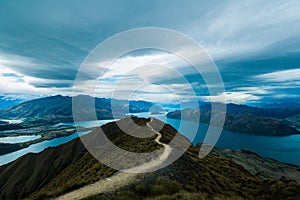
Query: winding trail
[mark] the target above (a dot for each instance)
(119, 179)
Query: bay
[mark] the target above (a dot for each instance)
(38, 147)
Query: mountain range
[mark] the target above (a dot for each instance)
(59, 108)
(280, 119)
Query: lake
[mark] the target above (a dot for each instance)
(38, 147)
(285, 148)
(88, 124)
(282, 148)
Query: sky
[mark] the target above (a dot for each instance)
(255, 46)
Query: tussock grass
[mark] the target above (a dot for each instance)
(213, 177)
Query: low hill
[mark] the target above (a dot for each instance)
(56, 171)
(280, 111)
(259, 166)
(242, 123)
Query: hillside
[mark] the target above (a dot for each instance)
(59, 108)
(242, 123)
(259, 166)
(293, 121)
(59, 170)
(279, 111)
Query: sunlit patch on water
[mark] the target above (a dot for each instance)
(19, 139)
(13, 121)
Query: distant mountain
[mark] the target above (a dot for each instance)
(59, 108)
(279, 112)
(278, 103)
(68, 167)
(56, 107)
(290, 105)
(240, 122)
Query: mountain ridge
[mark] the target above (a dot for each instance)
(58, 170)
(280, 111)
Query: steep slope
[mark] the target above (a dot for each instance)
(211, 178)
(72, 161)
(31, 172)
(59, 170)
(121, 179)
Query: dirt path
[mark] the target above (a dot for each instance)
(120, 179)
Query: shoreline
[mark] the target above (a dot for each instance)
(6, 148)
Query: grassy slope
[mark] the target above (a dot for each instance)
(262, 167)
(213, 177)
(88, 170)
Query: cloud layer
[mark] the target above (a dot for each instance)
(255, 45)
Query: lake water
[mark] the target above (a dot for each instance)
(282, 148)
(285, 149)
(88, 124)
(38, 147)
(19, 139)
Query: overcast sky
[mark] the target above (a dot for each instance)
(255, 45)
